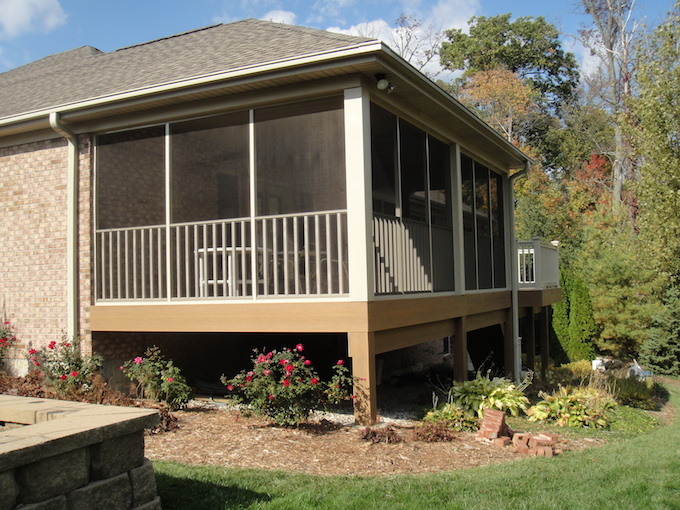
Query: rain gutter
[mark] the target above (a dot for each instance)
(72, 305)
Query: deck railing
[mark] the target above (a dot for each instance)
(294, 255)
(538, 264)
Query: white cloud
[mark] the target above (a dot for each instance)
(376, 29)
(21, 16)
(279, 16)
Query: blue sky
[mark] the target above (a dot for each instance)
(32, 29)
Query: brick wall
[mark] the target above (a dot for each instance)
(33, 265)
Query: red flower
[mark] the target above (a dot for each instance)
(74, 373)
(340, 362)
(63, 377)
(289, 368)
(170, 379)
(271, 397)
(314, 381)
(67, 345)
(307, 362)
(6, 322)
(230, 387)
(31, 351)
(52, 345)
(286, 383)
(299, 348)
(283, 362)
(249, 378)
(36, 362)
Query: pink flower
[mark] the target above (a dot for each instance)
(63, 377)
(266, 371)
(230, 387)
(138, 360)
(289, 368)
(74, 374)
(307, 362)
(286, 383)
(299, 348)
(271, 397)
(283, 362)
(340, 362)
(314, 381)
(122, 367)
(261, 359)
(170, 379)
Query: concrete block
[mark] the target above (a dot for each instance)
(9, 490)
(143, 482)
(111, 494)
(117, 455)
(58, 503)
(53, 476)
(151, 505)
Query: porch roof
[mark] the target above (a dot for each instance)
(85, 84)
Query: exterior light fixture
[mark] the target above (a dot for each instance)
(383, 83)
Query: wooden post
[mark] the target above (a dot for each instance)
(362, 351)
(530, 339)
(509, 346)
(460, 352)
(543, 340)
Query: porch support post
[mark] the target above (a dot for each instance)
(460, 352)
(509, 354)
(530, 339)
(543, 334)
(362, 352)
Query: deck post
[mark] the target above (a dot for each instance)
(543, 332)
(362, 352)
(460, 352)
(509, 346)
(530, 338)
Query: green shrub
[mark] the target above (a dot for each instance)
(493, 393)
(157, 379)
(632, 392)
(284, 387)
(573, 373)
(569, 407)
(452, 417)
(65, 367)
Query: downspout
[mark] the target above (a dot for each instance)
(71, 225)
(517, 342)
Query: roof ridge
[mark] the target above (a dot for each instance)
(195, 30)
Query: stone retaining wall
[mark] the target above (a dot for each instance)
(74, 456)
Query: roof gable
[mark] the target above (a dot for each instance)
(87, 73)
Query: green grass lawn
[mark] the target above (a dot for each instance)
(636, 472)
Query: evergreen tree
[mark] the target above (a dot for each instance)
(661, 352)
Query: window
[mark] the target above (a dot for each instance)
(484, 233)
(131, 178)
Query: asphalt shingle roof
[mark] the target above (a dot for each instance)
(86, 73)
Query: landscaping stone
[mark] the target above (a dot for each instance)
(58, 503)
(9, 490)
(112, 494)
(152, 505)
(117, 455)
(53, 476)
(143, 482)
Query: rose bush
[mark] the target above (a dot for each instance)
(7, 338)
(284, 386)
(157, 379)
(64, 366)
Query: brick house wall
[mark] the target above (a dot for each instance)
(33, 265)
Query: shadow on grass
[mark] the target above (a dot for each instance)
(182, 493)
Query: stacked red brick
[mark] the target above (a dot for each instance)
(495, 429)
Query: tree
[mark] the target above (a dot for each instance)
(527, 46)
(655, 131)
(661, 352)
(612, 38)
(500, 98)
(415, 42)
(573, 320)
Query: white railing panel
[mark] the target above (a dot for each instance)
(538, 264)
